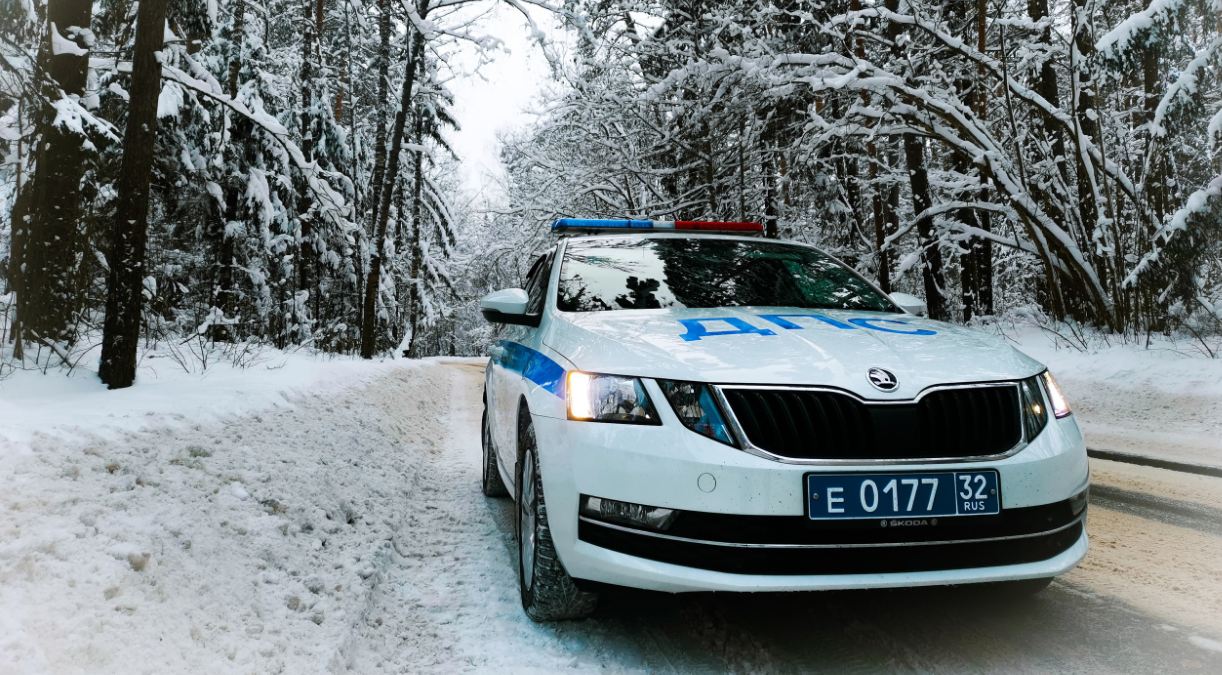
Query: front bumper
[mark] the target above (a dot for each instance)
(782, 545)
(598, 564)
(670, 466)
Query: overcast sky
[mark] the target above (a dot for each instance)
(499, 98)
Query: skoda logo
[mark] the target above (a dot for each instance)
(882, 379)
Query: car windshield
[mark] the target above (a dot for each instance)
(601, 274)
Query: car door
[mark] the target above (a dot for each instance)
(510, 356)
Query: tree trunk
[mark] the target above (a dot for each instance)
(982, 264)
(314, 264)
(882, 269)
(918, 180)
(379, 157)
(224, 294)
(891, 210)
(976, 260)
(931, 255)
(379, 134)
(1151, 79)
(770, 195)
(741, 147)
(710, 168)
(886, 219)
(969, 281)
(368, 317)
(125, 290)
(396, 264)
(1046, 85)
(851, 176)
(878, 212)
(306, 256)
(416, 288)
(47, 307)
(1087, 115)
(20, 225)
(21, 209)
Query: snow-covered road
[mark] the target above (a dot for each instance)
(344, 530)
(1158, 401)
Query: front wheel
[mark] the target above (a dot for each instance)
(548, 592)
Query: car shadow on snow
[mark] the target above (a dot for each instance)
(972, 627)
(949, 629)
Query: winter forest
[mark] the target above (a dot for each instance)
(207, 177)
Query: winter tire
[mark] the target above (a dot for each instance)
(490, 482)
(548, 592)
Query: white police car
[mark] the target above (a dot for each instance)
(680, 408)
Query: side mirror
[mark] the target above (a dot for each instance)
(507, 306)
(910, 303)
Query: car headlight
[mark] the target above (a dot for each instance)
(1035, 413)
(1060, 405)
(694, 405)
(608, 398)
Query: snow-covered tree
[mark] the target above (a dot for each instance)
(1051, 148)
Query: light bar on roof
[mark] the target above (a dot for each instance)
(604, 224)
(719, 225)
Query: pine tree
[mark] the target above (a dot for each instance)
(412, 64)
(126, 260)
(46, 310)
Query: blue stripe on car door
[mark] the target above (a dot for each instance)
(534, 366)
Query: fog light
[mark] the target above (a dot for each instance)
(1077, 503)
(625, 513)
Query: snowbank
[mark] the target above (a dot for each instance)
(165, 393)
(1163, 401)
(185, 538)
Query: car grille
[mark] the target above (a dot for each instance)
(814, 424)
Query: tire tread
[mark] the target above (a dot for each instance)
(490, 480)
(554, 596)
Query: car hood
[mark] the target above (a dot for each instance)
(784, 346)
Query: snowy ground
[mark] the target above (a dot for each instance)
(208, 543)
(337, 526)
(197, 387)
(1163, 401)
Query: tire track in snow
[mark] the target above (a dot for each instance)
(1158, 508)
(448, 598)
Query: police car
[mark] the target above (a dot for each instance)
(682, 406)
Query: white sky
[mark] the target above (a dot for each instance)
(498, 98)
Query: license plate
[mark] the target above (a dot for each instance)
(863, 496)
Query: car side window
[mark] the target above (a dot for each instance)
(536, 284)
